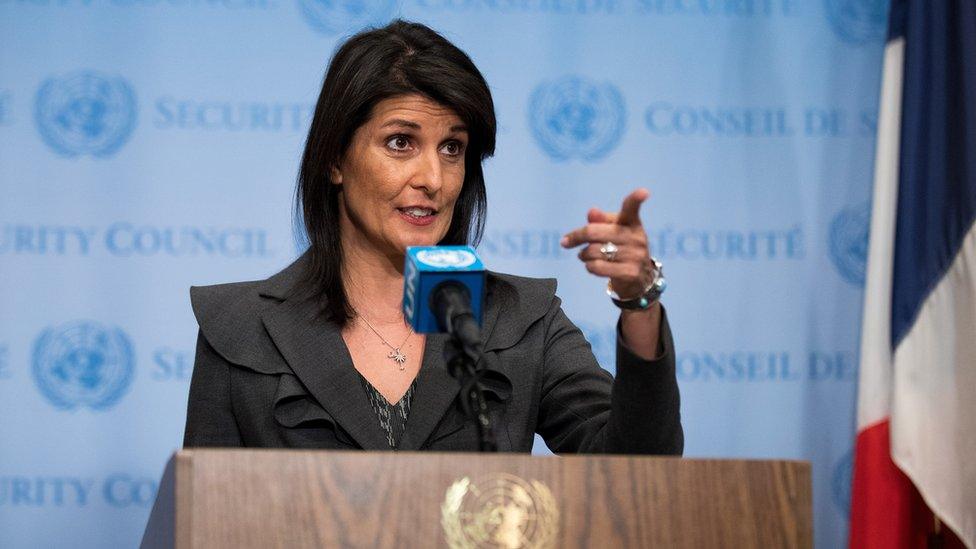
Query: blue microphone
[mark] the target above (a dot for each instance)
(443, 290)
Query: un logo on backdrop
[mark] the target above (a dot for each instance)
(335, 16)
(849, 242)
(858, 21)
(577, 118)
(85, 113)
(83, 364)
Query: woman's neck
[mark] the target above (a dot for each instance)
(373, 283)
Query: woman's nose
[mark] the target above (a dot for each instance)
(430, 172)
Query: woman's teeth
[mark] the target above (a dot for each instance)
(417, 212)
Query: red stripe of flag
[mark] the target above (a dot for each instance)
(887, 512)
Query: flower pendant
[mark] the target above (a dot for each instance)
(397, 357)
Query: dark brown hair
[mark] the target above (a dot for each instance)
(400, 58)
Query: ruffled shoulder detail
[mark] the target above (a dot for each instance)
(516, 303)
(229, 316)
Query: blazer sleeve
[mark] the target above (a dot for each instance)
(584, 410)
(209, 417)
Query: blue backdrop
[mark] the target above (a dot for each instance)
(149, 145)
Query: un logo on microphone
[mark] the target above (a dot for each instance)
(334, 17)
(447, 258)
(577, 118)
(85, 113)
(83, 364)
(849, 242)
(858, 21)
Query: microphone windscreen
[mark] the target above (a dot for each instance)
(428, 266)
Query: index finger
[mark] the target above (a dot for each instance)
(630, 210)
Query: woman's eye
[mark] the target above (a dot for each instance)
(453, 148)
(398, 143)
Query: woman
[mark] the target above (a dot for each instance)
(306, 357)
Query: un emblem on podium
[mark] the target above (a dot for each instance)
(337, 16)
(858, 21)
(499, 511)
(577, 118)
(849, 242)
(83, 364)
(85, 113)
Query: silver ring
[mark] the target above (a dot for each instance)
(609, 251)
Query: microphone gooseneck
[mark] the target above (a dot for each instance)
(451, 303)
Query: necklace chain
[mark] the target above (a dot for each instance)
(396, 355)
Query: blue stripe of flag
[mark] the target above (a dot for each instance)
(937, 163)
(897, 12)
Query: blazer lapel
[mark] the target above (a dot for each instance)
(317, 354)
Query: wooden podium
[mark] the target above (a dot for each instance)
(292, 498)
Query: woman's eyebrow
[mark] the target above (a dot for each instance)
(415, 126)
(401, 122)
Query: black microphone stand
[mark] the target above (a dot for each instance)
(462, 363)
(464, 356)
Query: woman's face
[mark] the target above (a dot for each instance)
(401, 175)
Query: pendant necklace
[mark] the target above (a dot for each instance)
(396, 355)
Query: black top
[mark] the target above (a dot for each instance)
(392, 417)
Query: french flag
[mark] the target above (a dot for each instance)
(915, 457)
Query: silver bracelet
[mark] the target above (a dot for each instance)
(650, 295)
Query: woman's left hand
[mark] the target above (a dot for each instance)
(630, 270)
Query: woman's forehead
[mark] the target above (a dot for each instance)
(414, 110)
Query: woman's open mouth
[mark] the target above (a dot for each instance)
(418, 216)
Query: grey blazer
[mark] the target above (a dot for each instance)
(270, 373)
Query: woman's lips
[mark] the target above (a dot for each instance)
(413, 220)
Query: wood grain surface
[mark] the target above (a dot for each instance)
(285, 498)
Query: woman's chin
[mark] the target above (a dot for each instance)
(427, 239)
(418, 242)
